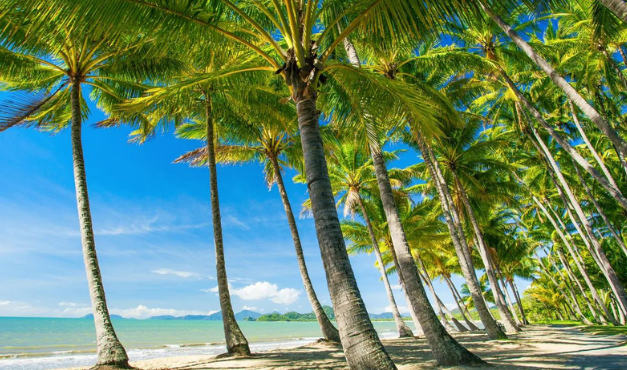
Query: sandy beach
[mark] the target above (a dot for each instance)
(537, 347)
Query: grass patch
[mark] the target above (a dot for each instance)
(605, 330)
(558, 322)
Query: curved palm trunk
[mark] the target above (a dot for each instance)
(403, 330)
(587, 109)
(412, 312)
(441, 307)
(597, 250)
(506, 316)
(459, 241)
(519, 302)
(572, 300)
(110, 350)
(599, 316)
(445, 349)
(508, 299)
(362, 347)
(618, 7)
(236, 343)
(609, 225)
(608, 182)
(468, 322)
(615, 67)
(329, 331)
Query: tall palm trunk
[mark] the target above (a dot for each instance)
(587, 109)
(591, 148)
(110, 350)
(445, 349)
(518, 302)
(596, 250)
(608, 183)
(412, 311)
(609, 225)
(572, 300)
(508, 299)
(593, 292)
(615, 67)
(362, 347)
(506, 316)
(236, 343)
(461, 309)
(441, 307)
(403, 330)
(565, 241)
(618, 7)
(329, 331)
(459, 241)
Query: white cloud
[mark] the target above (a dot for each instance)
(450, 306)
(143, 312)
(23, 309)
(183, 274)
(265, 290)
(249, 308)
(234, 221)
(70, 304)
(215, 289)
(401, 309)
(397, 287)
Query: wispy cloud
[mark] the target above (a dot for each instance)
(183, 274)
(265, 290)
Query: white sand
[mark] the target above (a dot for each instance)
(537, 347)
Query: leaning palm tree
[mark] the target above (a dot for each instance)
(50, 71)
(244, 138)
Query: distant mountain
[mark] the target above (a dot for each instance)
(246, 314)
(384, 315)
(217, 316)
(91, 316)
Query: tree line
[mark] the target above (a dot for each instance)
(515, 110)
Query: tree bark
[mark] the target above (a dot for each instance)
(594, 152)
(362, 347)
(236, 343)
(459, 241)
(573, 299)
(519, 302)
(614, 66)
(468, 322)
(587, 109)
(609, 225)
(110, 351)
(506, 316)
(446, 350)
(441, 307)
(329, 331)
(606, 182)
(412, 311)
(403, 330)
(597, 250)
(617, 7)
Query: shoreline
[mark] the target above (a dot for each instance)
(536, 347)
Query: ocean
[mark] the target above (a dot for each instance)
(53, 343)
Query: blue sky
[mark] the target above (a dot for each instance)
(153, 231)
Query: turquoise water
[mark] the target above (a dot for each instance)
(51, 343)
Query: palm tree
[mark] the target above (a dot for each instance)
(244, 139)
(51, 72)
